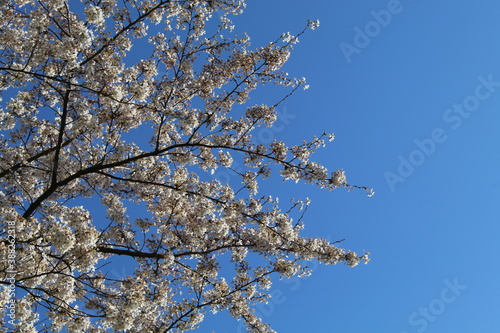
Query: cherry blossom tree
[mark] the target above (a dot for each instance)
(83, 121)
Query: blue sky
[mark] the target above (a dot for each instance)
(398, 106)
(433, 225)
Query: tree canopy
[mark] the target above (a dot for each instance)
(84, 119)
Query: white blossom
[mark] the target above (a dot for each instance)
(313, 24)
(94, 15)
(117, 122)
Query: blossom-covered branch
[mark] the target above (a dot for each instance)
(133, 105)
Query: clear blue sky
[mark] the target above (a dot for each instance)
(432, 228)
(396, 93)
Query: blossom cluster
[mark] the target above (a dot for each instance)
(85, 125)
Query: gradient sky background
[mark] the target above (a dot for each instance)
(432, 229)
(439, 227)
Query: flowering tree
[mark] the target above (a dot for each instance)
(83, 122)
